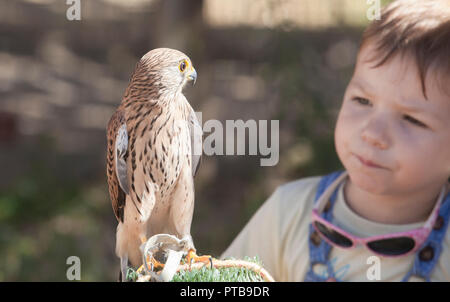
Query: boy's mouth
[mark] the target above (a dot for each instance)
(367, 162)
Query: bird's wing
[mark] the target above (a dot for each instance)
(116, 162)
(196, 141)
(121, 147)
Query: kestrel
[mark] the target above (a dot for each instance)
(154, 150)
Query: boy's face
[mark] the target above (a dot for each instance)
(390, 139)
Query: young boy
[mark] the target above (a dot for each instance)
(393, 138)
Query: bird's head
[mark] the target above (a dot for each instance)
(165, 71)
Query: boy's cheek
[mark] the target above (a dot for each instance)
(345, 127)
(347, 115)
(340, 141)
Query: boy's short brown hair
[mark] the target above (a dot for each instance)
(419, 29)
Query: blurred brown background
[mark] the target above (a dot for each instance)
(60, 81)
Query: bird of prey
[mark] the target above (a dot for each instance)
(154, 150)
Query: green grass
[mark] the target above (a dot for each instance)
(206, 274)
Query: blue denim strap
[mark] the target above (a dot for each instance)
(318, 254)
(422, 268)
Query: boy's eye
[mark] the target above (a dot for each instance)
(410, 119)
(362, 101)
(414, 121)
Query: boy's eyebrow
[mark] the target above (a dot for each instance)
(363, 86)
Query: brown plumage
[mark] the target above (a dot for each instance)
(151, 161)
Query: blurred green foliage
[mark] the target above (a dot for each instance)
(45, 219)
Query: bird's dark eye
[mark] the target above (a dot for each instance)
(182, 66)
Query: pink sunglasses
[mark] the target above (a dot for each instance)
(389, 245)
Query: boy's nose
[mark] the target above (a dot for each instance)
(375, 133)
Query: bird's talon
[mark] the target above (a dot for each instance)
(140, 269)
(192, 257)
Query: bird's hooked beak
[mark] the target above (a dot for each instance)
(192, 76)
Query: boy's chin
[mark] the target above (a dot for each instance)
(371, 183)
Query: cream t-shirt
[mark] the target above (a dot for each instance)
(278, 235)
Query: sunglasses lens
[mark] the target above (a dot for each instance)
(392, 246)
(333, 236)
